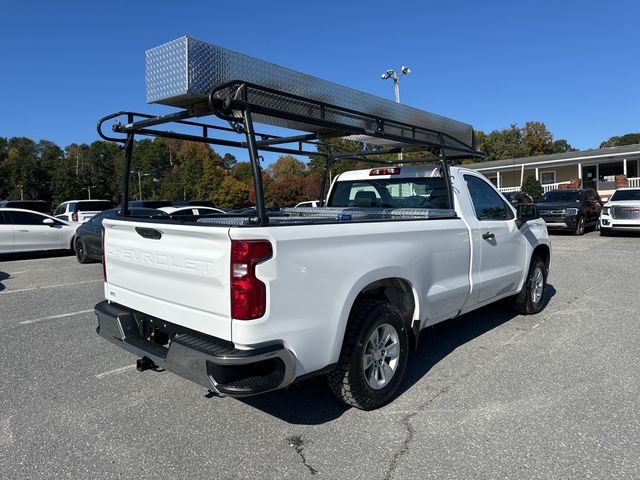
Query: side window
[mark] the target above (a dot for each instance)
(26, 218)
(59, 210)
(2, 221)
(486, 201)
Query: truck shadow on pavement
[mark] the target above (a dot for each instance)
(311, 403)
(3, 277)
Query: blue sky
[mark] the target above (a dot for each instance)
(573, 65)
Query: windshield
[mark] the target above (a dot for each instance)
(625, 195)
(561, 196)
(422, 192)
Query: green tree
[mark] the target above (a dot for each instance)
(627, 139)
(231, 194)
(514, 142)
(285, 191)
(501, 144)
(286, 166)
(536, 138)
(532, 187)
(561, 146)
(22, 170)
(228, 161)
(213, 174)
(242, 172)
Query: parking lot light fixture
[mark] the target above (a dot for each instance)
(404, 70)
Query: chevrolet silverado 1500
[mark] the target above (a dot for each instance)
(247, 303)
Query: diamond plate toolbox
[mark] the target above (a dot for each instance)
(182, 72)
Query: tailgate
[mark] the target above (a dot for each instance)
(176, 272)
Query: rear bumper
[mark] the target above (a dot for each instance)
(208, 361)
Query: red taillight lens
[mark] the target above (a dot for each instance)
(104, 257)
(248, 294)
(74, 217)
(385, 171)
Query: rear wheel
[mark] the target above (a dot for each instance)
(81, 252)
(531, 299)
(373, 357)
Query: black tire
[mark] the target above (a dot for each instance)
(580, 226)
(605, 232)
(531, 299)
(81, 252)
(350, 382)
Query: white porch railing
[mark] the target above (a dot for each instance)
(633, 182)
(552, 186)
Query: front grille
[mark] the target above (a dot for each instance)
(625, 213)
(551, 213)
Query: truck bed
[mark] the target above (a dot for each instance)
(320, 215)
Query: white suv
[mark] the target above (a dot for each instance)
(80, 211)
(621, 212)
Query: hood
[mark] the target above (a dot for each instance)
(558, 205)
(626, 203)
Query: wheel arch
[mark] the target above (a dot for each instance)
(544, 252)
(400, 293)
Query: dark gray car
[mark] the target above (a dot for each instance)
(570, 210)
(88, 238)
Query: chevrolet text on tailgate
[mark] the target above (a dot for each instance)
(252, 302)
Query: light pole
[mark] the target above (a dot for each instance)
(89, 190)
(140, 175)
(396, 85)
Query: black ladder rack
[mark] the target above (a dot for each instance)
(241, 104)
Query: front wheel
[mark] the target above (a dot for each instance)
(531, 299)
(373, 357)
(580, 226)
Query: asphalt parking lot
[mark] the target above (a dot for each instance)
(488, 395)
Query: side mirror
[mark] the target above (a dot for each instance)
(525, 213)
(48, 221)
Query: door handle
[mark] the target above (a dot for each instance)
(21, 230)
(488, 236)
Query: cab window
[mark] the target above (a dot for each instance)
(486, 201)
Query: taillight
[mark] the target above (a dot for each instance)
(385, 171)
(248, 294)
(74, 217)
(104, 257)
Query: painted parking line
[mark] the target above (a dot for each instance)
(7, 292)
(57, 269)
(115, 371)
(54, 317)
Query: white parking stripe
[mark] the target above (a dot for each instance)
(53, 317)
(115, 371)
(7, 292)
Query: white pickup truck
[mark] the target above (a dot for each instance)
(344, 290)
(248, 303)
